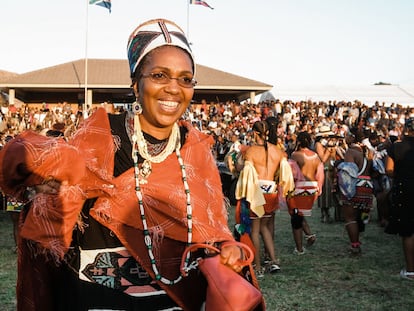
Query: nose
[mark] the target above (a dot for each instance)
(172, 86)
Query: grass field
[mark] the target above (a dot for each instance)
(8, 264)
(325, 278)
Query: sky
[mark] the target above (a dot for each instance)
(278, 42)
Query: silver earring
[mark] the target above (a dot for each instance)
(136, 107)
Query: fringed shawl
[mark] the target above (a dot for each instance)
(84, 165)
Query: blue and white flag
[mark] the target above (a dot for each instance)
(104, 3)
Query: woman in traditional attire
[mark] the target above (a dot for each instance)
(265, 167)
(116, 206)
(356, 189)
(400, 166)
(308, 173)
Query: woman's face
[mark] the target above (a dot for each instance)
(164, 104)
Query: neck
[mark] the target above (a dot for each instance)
(259, 141)
(159, 133)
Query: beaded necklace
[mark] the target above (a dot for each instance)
(139, 141)
(136, 151)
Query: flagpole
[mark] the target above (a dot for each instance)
(86, 59)
(188, 20)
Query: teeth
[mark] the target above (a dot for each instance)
(169, 104)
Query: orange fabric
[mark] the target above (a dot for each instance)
(165, 203)
(86, 164)
(30, 158)
(272, 204)
(244, 237)
(237, 214)
(301, 202)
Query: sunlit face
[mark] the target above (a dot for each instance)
(164, 104)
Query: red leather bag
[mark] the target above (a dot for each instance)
(228, 290)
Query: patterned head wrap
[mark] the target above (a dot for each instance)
(152, 34)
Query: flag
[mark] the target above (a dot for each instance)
(200, 2)
(104, 3)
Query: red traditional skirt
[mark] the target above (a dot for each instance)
(272, 204)
(302, 199)
(363, 198)
(269, 189)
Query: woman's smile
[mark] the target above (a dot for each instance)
(168, 106)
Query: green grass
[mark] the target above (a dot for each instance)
(8, 264)
(325, 278)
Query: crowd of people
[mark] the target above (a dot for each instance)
(228, 121)
(129, 209)
(231, 123)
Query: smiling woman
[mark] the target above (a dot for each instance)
(118, 223)
(163, 103)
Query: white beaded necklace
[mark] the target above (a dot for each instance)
(139, 140)
(136, 150)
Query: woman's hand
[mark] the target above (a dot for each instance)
(231, 256)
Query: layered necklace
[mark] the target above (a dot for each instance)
(139, 147)
(154, 155)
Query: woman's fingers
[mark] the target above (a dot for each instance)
(230, 256)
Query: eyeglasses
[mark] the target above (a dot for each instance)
(163, 78)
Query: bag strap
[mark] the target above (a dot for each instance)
(364, 165)
(248, 255)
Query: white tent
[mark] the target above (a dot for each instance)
(267, 96)
(388, 94)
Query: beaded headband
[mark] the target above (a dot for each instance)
(151, 35)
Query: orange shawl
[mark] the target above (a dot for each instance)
(85, 166)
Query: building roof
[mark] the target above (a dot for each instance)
(4, 75)
(109, 80)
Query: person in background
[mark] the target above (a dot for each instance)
(291, 143)
(221, 147)
(13, 208)
(381, 180)
(235, 143)
(57, 130)
(356, 188)
(272, 123)
(257, 184)
(107, 231)
(400, 167)
(308, 172)
(325, 147)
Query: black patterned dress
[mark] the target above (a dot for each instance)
(401, 219)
